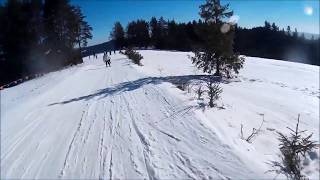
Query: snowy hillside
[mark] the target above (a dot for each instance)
(131, 121)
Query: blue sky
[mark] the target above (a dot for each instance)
(101, 14)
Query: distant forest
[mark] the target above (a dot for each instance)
(39, 36)
(268, 41)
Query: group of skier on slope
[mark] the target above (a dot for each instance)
(106, 58)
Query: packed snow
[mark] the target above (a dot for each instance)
(132, 122)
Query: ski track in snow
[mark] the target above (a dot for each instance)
(86, 126)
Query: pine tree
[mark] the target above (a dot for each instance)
(172, 39)
(274, 27)
(217, 52)
(163, 32)
(64, 29)
(117, 35)
(138, 33)
(293, 148)
(39, 36)
(131, 34)
(142, 31)
(295, 33)
(20, 36)
(13, 32)
(154, 29)
(213, 11)
(83, 29)
(267, 25)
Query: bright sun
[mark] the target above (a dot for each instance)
(308, 10)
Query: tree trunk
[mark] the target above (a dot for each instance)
(211, 104)
(79, 46)
(217, 73)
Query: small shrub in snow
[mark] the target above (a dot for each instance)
(182, 86)
(128, 51)
(199, 91)
(189, 88)
(214, 91)
(133, 55)
(254, 132)
(160, 69)
(293, 148)
(136, 58)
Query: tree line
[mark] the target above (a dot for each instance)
(268, 41)
(40, 36)
(211, 39)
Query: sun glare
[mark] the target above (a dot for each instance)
(234, 19)
(308, 10)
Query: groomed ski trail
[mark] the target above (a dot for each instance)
(108, 123)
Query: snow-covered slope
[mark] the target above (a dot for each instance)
(128, 121)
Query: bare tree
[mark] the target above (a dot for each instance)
(199, 91)
(254, 132)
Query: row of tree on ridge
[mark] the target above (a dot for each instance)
(268, 41)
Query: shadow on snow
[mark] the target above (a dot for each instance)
(136, 84)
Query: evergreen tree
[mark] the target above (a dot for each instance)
(142, 31)
(267, 25)
(258, 41)
(213, 12)
(274, 27)
(117, 35)
(295, 33)
(63, 30)
(163, 32)
(158, 32)
(217, 53)
(39, 36)
(172, 42)
(130, 34)
(17, 36)
(83, 32)
(10, 16)
(154, 32)
(138, 33)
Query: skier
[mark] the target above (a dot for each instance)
(107, 60)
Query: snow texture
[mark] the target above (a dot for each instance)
(129, 121)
